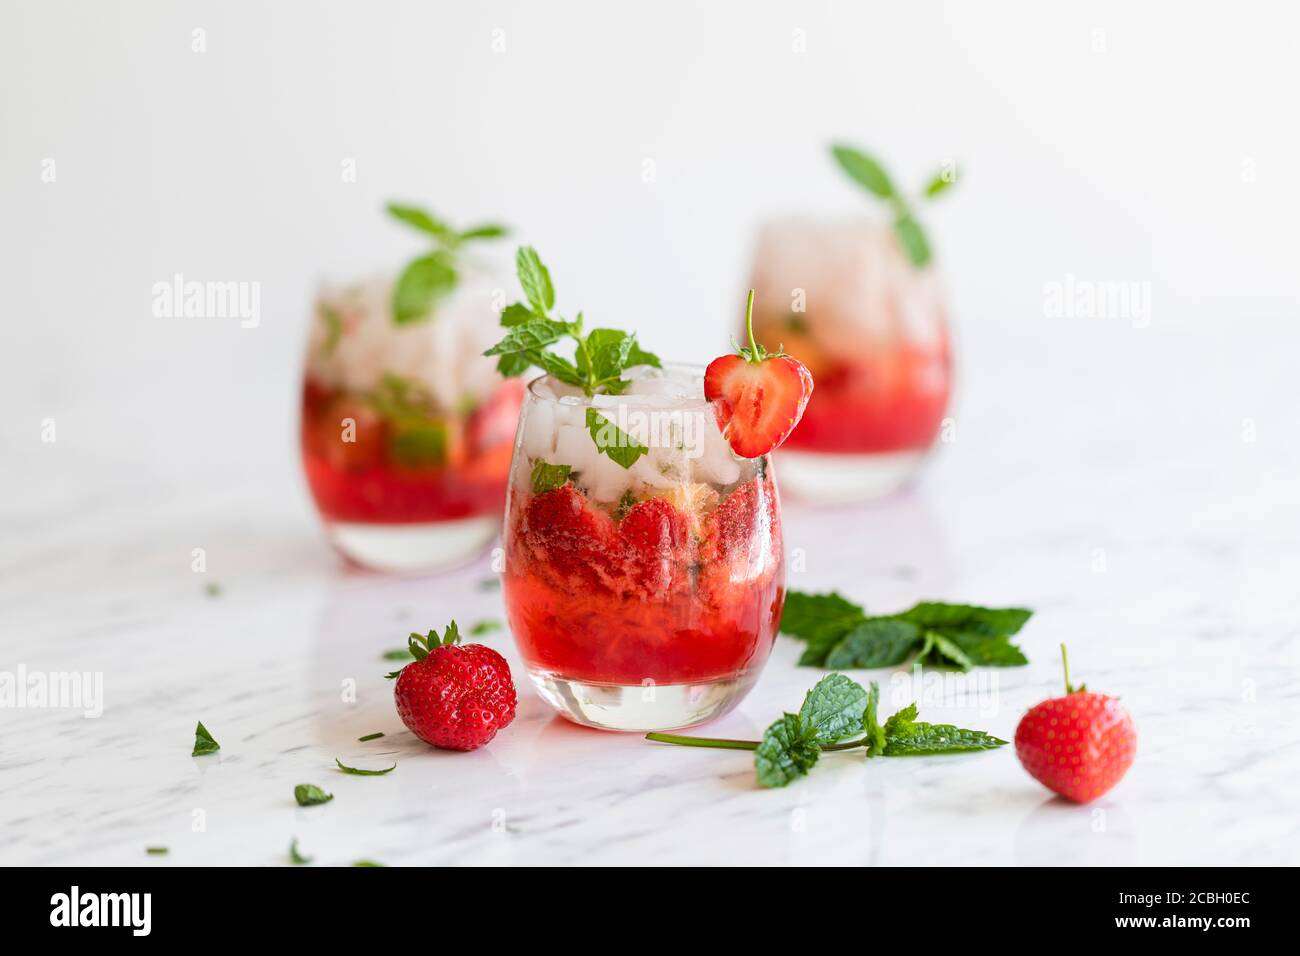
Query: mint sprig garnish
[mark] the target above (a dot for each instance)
(310, 795)
(204, 742)
(432, 276)
(867, 171)
(839, 714)
(840, 635)
(600, 356)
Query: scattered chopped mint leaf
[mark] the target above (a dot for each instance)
(784, 755)
(613, 441)
(832, 710)
(368, 863)
(212, 589)
(420, 219)
(422, 283)
(490, 584)
(392, 675)
(547, 477)
(363, 773)
(942, 181)
(912, 237)
(296, 858)
(941, 651)
(486, 627)
(871, 724)
(876, 642)
(374, 736)
(310, 795)
(517, 314)
(535, 279)
(204, 743)
(814, 616)
(864, 170)
(485, 231)
(398, 654)
(157, 850)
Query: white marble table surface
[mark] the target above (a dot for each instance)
(1137, 487)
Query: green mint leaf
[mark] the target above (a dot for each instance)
(941, 651)
(968, 617)
(420, 219)
(912, 237)
(899, 722)
(531, 336)
(984, 651)
(418, 442)
(875, 642)
(333, 330)
(535, 279)
(557, 366)
(374, 736)
(613, 441)
(310, 795)
(514, 364)
(547, 477)
(817, 616)
(605, 353)
(490, 584)
(296, 858)
(941, 182)
(832, 710)
(392, 675)
(212, 589)
(639, 356)
(204, 742)
(517, 314)
(486, 627)
(157, 850)
(784, 755)
(871, 724)
(488, 230)
(364, 773)
(398, 654)
(919, 739)
(421, 284)
(864, 170)
(817, 650)
(368, 863)
(625, 504)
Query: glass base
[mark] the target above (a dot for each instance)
(641, 708)
(414, 548)
(834, 478)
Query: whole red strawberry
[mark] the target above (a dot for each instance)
(759, 395)
(454, 696)
(1079, 745)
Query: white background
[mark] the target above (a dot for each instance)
(1134, 485)
(1153, 143)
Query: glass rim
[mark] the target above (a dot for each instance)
(661, 402)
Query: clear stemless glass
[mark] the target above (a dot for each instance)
(845, 299)
(647, 597)
(407, 429)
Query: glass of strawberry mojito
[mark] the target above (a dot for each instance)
(648, 596)
(406, 428)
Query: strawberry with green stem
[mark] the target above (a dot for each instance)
(759, 396)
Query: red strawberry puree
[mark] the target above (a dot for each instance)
(654, 595)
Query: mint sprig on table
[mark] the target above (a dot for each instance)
(840, 635)
(867, 171)
(839, 714)
(433, 275)
(600, 356)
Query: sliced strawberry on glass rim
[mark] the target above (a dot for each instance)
(759, 396)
